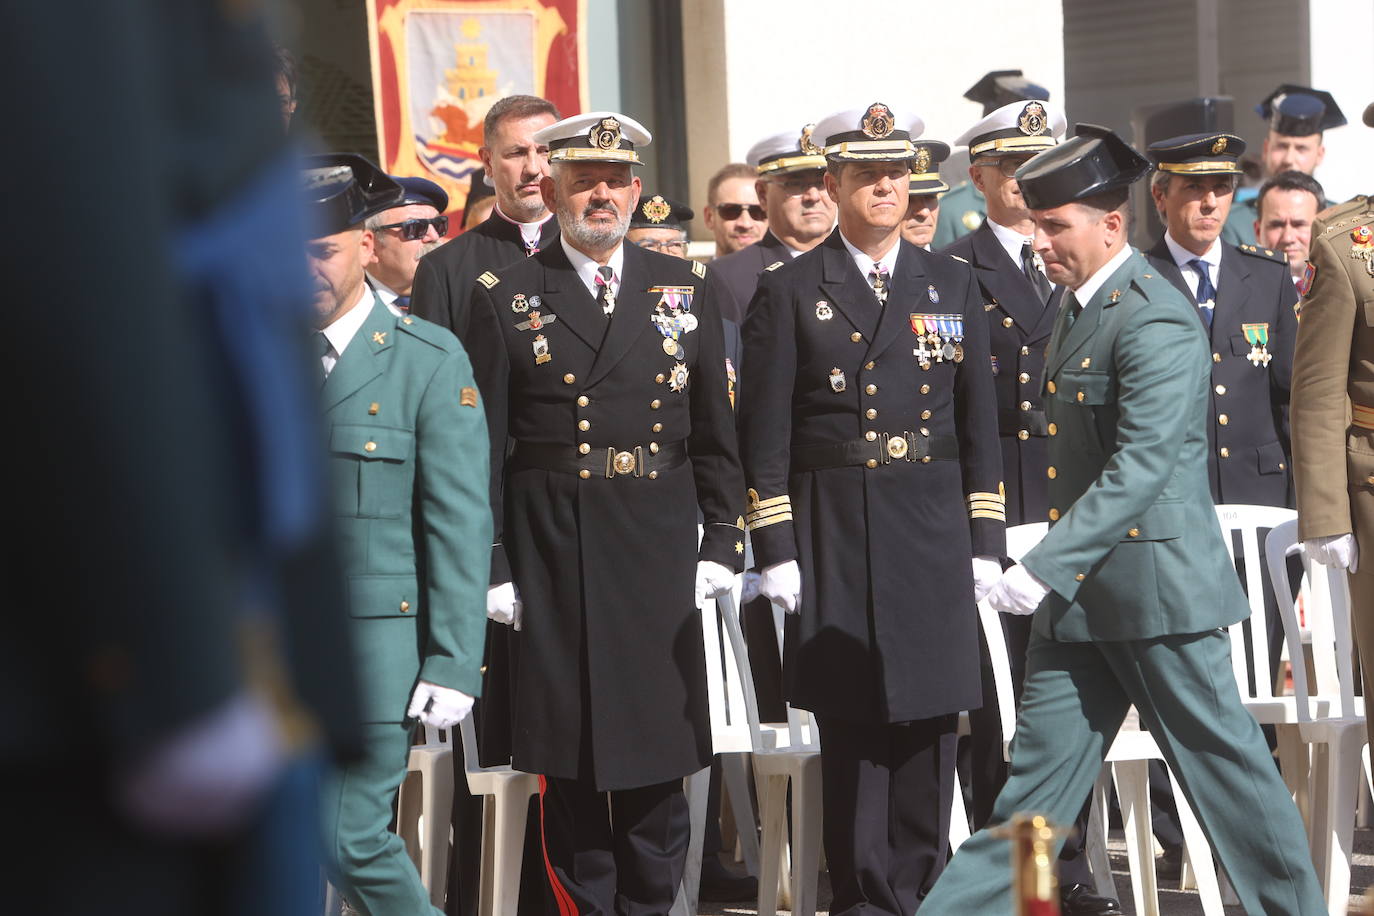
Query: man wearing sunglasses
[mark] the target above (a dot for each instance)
(519, 226)
(733, 212)
(402, 236)
(791, 184)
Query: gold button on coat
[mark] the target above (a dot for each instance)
(925, 389)
(1025, 351)
(1054, 515)
(1007, 322)
(1134, 532)
(1051, 386)
(1025, 405)
(1023, 377)
(655, 404)
(1223, 419)
(871, 388)
(856, 337)
(653, 475)
(659, 378)
(583, 401)
(871, 414)
(925, 415)
(584, 473)
(584, 425)
(584, 448)
(1080, 397)
(653, 448)
(405, 606)
(1220, 389)
(1225, 452)
(657, 428)
(1054, 429)
(1022, 434)
(1216, 357)
(1080, 577)
(369, 446)
(872, 463)
(869, 365)
(870, 435)
(569, 379)
(1051, 472)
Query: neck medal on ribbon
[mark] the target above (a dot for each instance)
(1257, 335)
(938, 338)
(673, 315)
(1362, 246)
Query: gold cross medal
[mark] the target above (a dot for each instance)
(1258, 337)
(922, 354)
(541, 350)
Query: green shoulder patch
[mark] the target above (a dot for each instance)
(488, 279)
(774, 266)
(699, 268)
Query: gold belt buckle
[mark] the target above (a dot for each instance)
(622, 462)
(896, 447)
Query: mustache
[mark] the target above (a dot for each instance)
(608, 206)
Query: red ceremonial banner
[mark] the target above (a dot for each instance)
(439, 65)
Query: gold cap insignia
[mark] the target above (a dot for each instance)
(806, 144)
(656, 209)
(606, 134)
(1219, 146)
(1033, 119)
(922, 163)
(878, 121)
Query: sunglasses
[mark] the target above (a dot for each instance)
(733, 211)
(413, 230)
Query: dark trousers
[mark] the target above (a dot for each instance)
(621, 859)
(888, 790)
(987, 765)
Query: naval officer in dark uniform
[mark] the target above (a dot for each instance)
(604, 363)
(870, 448)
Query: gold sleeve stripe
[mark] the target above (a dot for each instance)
(989, 497)
(756, 517)
(988, 513)
(783, 500)
(755, 525)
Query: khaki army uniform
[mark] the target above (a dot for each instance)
(1332, 408)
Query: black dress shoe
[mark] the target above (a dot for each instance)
(1079, 900)
(1169, 867)
(720, 885)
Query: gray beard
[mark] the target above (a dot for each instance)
(585, 237)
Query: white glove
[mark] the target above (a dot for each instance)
(1017, 592)
(438, 706)
(781, 584)
(1338, 550)
(713, 580)
(504, 604)
(986, 572)
(750, 590)
(204, 780)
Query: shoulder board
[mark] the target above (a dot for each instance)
(427, 331)
(488, 279)
(774, 266)
(957, 258)
(699, 268)
(1268, 254)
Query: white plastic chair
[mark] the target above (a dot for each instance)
(424, 808)
(505, 807)
(1331, 720)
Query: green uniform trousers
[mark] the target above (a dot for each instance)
(356, 804)
(1075, 699)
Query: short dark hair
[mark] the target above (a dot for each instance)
(516, 106)
(1109, 202)
(286, 67)
(1291, 180)
(728, 171)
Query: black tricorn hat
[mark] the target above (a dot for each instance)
(1093, 161)
(1002, 87)
(343, 189)
(1300, 111)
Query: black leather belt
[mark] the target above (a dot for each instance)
(1011, 422)
(885, 449)
(636, 461)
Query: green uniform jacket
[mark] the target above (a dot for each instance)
(1136, 547)
(408, 445)
(962, 210)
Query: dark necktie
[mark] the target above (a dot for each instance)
(605, 298)
(322, 349)
(1206, 292)
(1034, 274)
(877, 278)
(402, 303)
(1071, 307)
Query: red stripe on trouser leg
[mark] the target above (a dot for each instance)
(566, 906)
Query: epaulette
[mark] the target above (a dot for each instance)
(1344, 220)
(1268, 254)
(429, 332)
(488, 279)
(774, 266)
(957, 258)
(699, 269)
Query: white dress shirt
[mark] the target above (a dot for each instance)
(345, 328)
(586, 267)
(1211, 258)
(866, 264)
(386, 294)
(1012, 242)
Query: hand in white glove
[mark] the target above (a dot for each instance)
(438, 706)
(1017, 592)
(986, 572)
(204, 780)
(781, 584)
(713, 580)
(504, 604)
(1338, 550)
(750, 590)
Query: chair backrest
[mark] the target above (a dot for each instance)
(468, 732)
(1325, 598)
(1243, 523)
(726, 683)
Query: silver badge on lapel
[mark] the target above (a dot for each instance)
(541, 350)
(934, 296)
(823, 311)
(837, 382)
(535, 302)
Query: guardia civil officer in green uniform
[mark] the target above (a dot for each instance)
(964, 206)
(875, 508)
(1298, 116)
(408, 446)
(1132, 583)
(603, 362)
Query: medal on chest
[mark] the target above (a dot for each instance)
(1257, 335)
(939, 338)
(1362, 247)
(673, 317)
